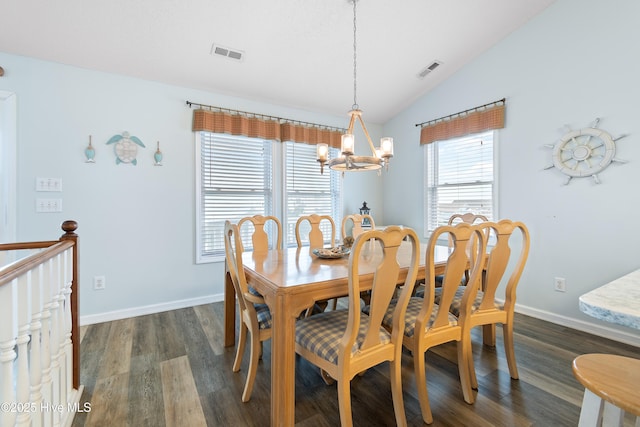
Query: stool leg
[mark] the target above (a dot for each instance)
(591, 412)
(613, 416)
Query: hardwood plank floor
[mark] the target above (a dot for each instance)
(170, 369)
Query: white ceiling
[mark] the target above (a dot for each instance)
(296, 52)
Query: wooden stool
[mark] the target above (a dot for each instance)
(612, 386)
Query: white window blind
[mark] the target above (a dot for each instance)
(234, 180)
(459, 178)
(309, 192)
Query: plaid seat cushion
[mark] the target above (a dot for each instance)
(264, 315)
(457, 300)
(253, 291)
(321, 333)
(413, 309)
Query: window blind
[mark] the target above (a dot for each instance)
(308, 191)
(235, 181)
(459, 178)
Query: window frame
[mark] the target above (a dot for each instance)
(428, 227)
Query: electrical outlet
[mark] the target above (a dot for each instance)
(99, 282)
(559, 284)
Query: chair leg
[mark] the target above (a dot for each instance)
(396, 392)
(421, 386)
(344, 403)
(242, 339)
(509, 349)
(465, 368)
(253, 367)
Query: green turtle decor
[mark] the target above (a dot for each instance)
(125, 148)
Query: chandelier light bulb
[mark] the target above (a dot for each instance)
(322, 152)
(386, 145)
(348, 144)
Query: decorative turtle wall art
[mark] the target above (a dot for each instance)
(126, 148)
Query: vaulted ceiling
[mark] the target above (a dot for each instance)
(297, 53)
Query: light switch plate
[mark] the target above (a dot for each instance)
(48, 184)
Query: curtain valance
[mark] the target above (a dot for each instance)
(266, 127)
(479, 119)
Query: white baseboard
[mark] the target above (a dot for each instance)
(580, 325)
(148, 309)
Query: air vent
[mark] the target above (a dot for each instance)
(234, 54)
(428, 69)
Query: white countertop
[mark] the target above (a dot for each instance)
(616, 302)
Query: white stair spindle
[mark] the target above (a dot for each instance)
(8, 332)
(24, 326)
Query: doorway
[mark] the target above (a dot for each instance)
(8, 167)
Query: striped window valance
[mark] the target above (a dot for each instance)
(266, 127)
(475, 120)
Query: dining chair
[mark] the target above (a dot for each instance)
(260, 237)
(428, 324)
(315, 236)
(356, 220)
(255, 317)
(345, 342)
(467, 218)
(316, 239)
(494, 296)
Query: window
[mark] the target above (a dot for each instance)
(234, 180)
(459, 178)
(308, 192)
(239, 176)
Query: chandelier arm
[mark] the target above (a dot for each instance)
(351, 123)
(366, 133)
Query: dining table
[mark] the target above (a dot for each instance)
(291, 280)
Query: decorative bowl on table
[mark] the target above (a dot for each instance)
(331, 253)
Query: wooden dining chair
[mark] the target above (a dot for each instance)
(259, 236)
(428, 324)
(346, 342)
(255, 317)
(316, 237)
(490, 303)
(356, 220)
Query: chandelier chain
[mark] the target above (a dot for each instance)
(355, 62)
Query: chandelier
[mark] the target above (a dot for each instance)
(348, 161)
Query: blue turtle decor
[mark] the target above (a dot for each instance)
(126, 147)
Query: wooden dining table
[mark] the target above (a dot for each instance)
(291, 280)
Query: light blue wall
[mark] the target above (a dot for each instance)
(136, 223)
(576, 61)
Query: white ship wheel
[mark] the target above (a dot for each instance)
(584, 152)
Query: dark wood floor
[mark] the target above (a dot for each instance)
(170, 369)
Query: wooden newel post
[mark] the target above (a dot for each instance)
(69, 227)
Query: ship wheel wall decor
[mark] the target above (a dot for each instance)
(584, 152)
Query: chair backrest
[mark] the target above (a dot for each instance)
(385, 278)
(357, 220)
(260, 238)
(460, 259)
(233, 252)
(316, 237)
(499, 261)
(469, 218)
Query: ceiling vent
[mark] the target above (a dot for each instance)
(235, 54)
(428, 69)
